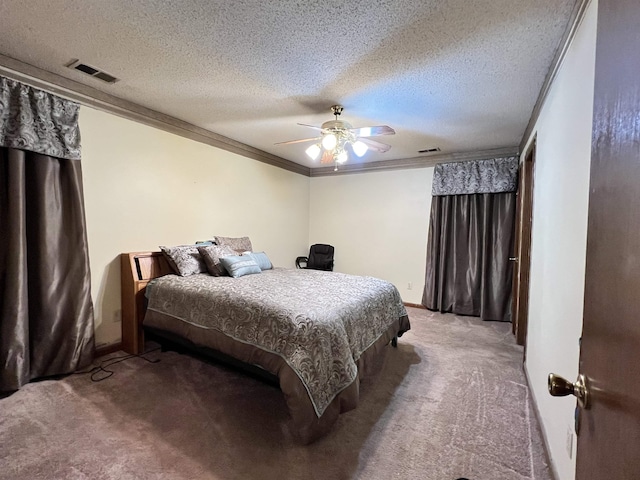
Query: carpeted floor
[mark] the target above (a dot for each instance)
(450, 402)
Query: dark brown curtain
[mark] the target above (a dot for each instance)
(468, 269)
(46, 314)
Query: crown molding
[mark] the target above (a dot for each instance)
(575, 20)
(92, 97)
(415, 162)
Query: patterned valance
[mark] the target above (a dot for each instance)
(31, 119)
(495, 175)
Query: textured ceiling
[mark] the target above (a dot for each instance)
(456, 74)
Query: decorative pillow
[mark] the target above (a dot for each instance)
(239, 265)
(261, 259)
(239, 244)
(212, 255)
(184, 259)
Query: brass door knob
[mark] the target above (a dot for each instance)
(559, 387)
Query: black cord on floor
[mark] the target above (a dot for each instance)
(100, 372)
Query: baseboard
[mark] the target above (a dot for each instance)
(107, 349)
(536, 410)
(414, 305)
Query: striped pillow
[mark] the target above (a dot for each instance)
(240, 265)
(261, 259)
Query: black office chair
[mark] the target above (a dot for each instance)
(320, 258)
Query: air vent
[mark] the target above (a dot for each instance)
(92, 71)
(429, 150)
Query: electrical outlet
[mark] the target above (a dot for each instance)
(569, 441)
(409, 286)
(117, 316)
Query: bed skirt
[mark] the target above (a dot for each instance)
(305, 426)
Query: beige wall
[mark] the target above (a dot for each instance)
(561, 195)
(145, 187)
(378, 223)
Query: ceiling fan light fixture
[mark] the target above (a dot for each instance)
(329, 141)
(334, 136)
(359, 148)
(313, 151)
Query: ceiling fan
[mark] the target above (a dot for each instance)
(336, 134)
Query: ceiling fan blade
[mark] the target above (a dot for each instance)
(373, 131)
(327, 157)
(376, 146)
(298, 141)
(311, 126)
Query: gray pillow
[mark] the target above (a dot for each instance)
(184, 259)
(239, 244)
(240, 265)
(212, 255)
(261, 259)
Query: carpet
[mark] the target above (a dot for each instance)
(451, 401)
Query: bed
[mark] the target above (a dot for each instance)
(317, 332)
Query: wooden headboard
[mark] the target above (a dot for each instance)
(138, 268)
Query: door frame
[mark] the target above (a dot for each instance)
(522, 246)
